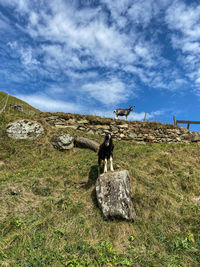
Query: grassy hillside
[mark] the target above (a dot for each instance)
(12, 114)
(49, 214)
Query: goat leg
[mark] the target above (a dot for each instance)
(111, 164)
(105, 165)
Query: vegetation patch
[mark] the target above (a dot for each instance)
(55, 220)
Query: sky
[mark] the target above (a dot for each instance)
(91, 57)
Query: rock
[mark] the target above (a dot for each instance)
(123, 126)
(71, 121)
(91, 132)
(16, 107)
(24, 129)
(60, 123)
(195, 138)
(51, 118)
(81, 128)
(66, 126)
(149, 138)
(133, 135)
(63, 142)
(83, 122)
(114, 195)
(104, 127)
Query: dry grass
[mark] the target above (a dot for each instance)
(49, 214)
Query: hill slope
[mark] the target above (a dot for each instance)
(49, 214)
(10, 113)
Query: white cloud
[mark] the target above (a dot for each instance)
(80, 44)
(108, 92)
(140, 116)
(142, 12)
(45, 103)
(19, 5)
(183, 20)
(79, 39)
(133, 116)
(25, 54)
(55, 90)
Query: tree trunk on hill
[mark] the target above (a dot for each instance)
(86, 143)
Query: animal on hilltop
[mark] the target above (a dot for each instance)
(105, 153)
(123, 112)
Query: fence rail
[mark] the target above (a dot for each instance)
(187, 122)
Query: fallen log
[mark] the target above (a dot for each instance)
(83, 142)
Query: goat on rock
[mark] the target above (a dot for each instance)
(123, 112)
(105, 153)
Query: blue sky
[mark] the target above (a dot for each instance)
(90, 57)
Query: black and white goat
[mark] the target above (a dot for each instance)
(105, 153)
(123, 112)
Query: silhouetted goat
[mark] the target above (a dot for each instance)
(122, 112)
(106, 153)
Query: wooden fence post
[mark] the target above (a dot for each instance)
(174, 120)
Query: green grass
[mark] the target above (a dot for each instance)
(54, 220)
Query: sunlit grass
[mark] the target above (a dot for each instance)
(49, 214)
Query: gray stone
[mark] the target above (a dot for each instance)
(123, 126)
(63, 142)
(24, 129)
(82, 122)
(81, 128)
(66, 126)
(71, 121)
(60, 123)
(104, 127)
(17, 107)
(114, 195)
(195, 138)
(133, 135)
(51, 118)
(90, 132)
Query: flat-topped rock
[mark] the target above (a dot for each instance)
(114, 195)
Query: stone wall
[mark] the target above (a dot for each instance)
(136, 131)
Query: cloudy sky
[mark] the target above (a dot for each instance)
(90, 57)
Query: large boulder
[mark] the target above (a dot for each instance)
(63, 142)
(24, 129)
(114, 195)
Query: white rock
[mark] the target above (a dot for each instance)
(24, 129)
